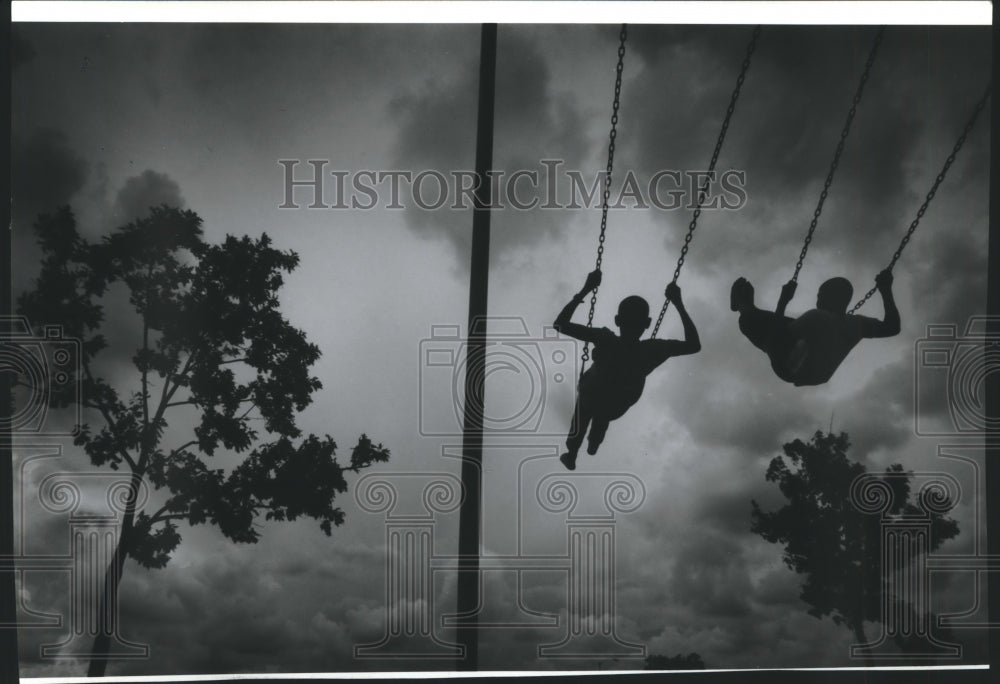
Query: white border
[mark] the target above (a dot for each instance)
(892, 12)
(771, 12)
(451, 674)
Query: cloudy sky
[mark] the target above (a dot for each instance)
(114, 118)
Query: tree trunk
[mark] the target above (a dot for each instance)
(107, 617)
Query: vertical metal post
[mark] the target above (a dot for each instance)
(472, 442)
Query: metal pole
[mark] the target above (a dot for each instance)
(472, 442)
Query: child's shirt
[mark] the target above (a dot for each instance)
(828, 337)
(617, 377)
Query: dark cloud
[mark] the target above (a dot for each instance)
(786, 127)
(728, 511)
(710, 577)
(47, 173)
(146, 190)
(806, 79)
(880, 414)
(532, 123)
(437, 132)
(942, 297)
(753, 423)
(779, 588)
(676, 95)
(757, 412)
(217, 617)
(311, 70)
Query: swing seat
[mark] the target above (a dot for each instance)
(796, 358)
(789, 365)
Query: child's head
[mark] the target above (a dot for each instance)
(835, 295)
(633, 316)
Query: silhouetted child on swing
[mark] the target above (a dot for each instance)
(615, 380)
(808, 349)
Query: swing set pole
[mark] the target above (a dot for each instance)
(472, 442)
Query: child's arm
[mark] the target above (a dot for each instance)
(787, 292)
(691, 344)
(889, 325)
(562, 322)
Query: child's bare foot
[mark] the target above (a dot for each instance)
(741, 295)
(568, 460)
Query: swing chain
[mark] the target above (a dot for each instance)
(836, 155)
(933, 191)
(585, 356)
(703, 189)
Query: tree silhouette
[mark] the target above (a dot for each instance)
(827, 538)
(691, 661)
(215, 350)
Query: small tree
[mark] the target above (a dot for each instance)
(826, 538)
(213, 344)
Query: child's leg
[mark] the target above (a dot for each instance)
(764, 328)
(771, 334)
(598, 428)
(578, 426)
(577, 429)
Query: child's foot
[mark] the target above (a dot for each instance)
(592, 447)
(568, 460)
(741, 295)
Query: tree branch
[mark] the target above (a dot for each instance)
(166, 383)
(163, 509)
(182, 447)
(356, 469)
(163, 518)
(108, 419)
(167, 395)
(253, 405)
